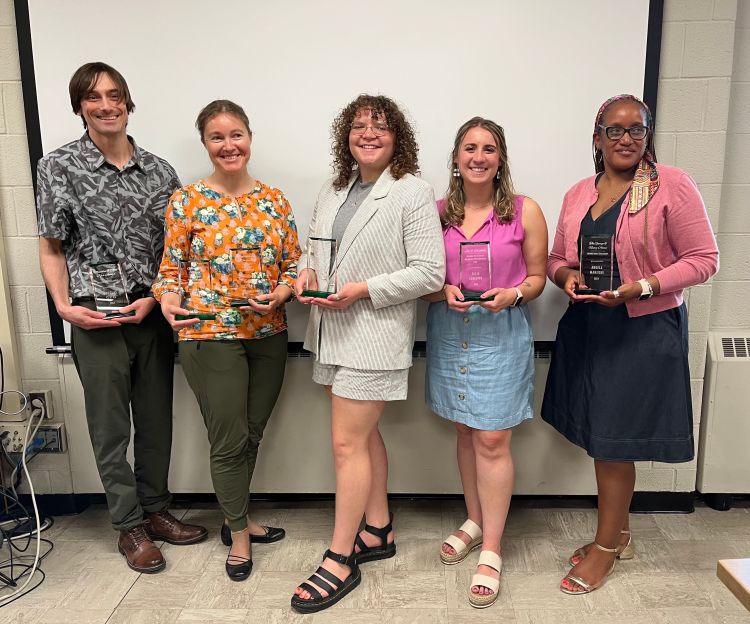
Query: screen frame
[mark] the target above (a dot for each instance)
(33, 127)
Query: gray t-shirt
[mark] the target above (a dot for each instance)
(357, 195)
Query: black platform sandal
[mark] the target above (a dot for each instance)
(272, 534)
(375, 553)
(328, 581)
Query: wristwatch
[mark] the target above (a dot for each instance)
(646, 290)
(519, 297)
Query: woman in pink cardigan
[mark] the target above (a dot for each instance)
(619, 383)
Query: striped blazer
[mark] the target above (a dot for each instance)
(394, 242)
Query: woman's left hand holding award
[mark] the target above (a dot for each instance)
(194, 280)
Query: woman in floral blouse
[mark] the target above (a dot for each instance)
(229, 265)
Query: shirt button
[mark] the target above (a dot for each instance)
(462, 370)
(464, 345)
(466, 319)
(461, 397)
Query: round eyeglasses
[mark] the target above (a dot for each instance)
(637, 133)
(378, 129)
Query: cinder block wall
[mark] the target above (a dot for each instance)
(704, 127)
(730, 300)
(37, 370)
(700, 39)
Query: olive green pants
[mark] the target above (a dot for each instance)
(123, 368)
(236, 383)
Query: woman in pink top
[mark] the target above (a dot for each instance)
(480, 367)
(619, 383)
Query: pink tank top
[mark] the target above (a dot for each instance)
(506, 247)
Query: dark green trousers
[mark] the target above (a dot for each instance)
(124, 368)
(236, 383)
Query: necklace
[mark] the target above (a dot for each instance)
(618, 194)
(359, 192)
(613, 194)
(478, 208)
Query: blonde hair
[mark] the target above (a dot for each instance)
(453, 212)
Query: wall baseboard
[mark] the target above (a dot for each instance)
(663, 502)
(643, 502)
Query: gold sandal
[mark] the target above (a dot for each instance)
(628, 552)
(588, 587)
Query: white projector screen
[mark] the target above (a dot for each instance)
(538, 68)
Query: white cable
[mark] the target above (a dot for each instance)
(25, 449)
(6, 599)
(45, 525)
(20, 409)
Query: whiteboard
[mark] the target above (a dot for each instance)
(540, 69)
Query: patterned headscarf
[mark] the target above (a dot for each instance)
(646, 180)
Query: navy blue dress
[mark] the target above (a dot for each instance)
(619, 387)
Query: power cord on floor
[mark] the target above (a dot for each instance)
(20, 572)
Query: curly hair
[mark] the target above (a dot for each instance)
(502, 183)
(405, 154)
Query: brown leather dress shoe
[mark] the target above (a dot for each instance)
(163, 526)
(140, 552)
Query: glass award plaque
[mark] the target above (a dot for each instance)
(109, 289)
(321, 257)
(474, 269)
(596, 258)
(248, 276)
(195, 283)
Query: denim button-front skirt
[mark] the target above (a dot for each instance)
(480, 366)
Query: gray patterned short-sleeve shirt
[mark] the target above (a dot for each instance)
(102, 213)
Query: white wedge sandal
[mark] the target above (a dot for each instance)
(494, 561)
(473, 530)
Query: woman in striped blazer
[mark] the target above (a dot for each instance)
(390, 253)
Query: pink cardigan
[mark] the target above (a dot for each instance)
(682, 249)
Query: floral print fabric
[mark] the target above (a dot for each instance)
(220, 249)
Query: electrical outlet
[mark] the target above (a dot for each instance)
(13, 441)
(48, 438)
(52, 438)
(40, 399)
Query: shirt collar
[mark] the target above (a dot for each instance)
(95, 159)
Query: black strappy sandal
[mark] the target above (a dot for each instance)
(328, 581)
(272, 534)
(238, 571)
(375, 553)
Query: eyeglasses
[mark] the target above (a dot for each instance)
(637, 133)
(378, 129)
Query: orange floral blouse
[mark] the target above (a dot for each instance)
(220, 248)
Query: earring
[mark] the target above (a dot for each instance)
(456, 173)
(497, 175)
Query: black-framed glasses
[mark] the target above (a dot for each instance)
(378, 129)
(637, 132)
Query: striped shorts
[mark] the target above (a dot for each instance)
(363, 385)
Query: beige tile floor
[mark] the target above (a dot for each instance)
(672, 580)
